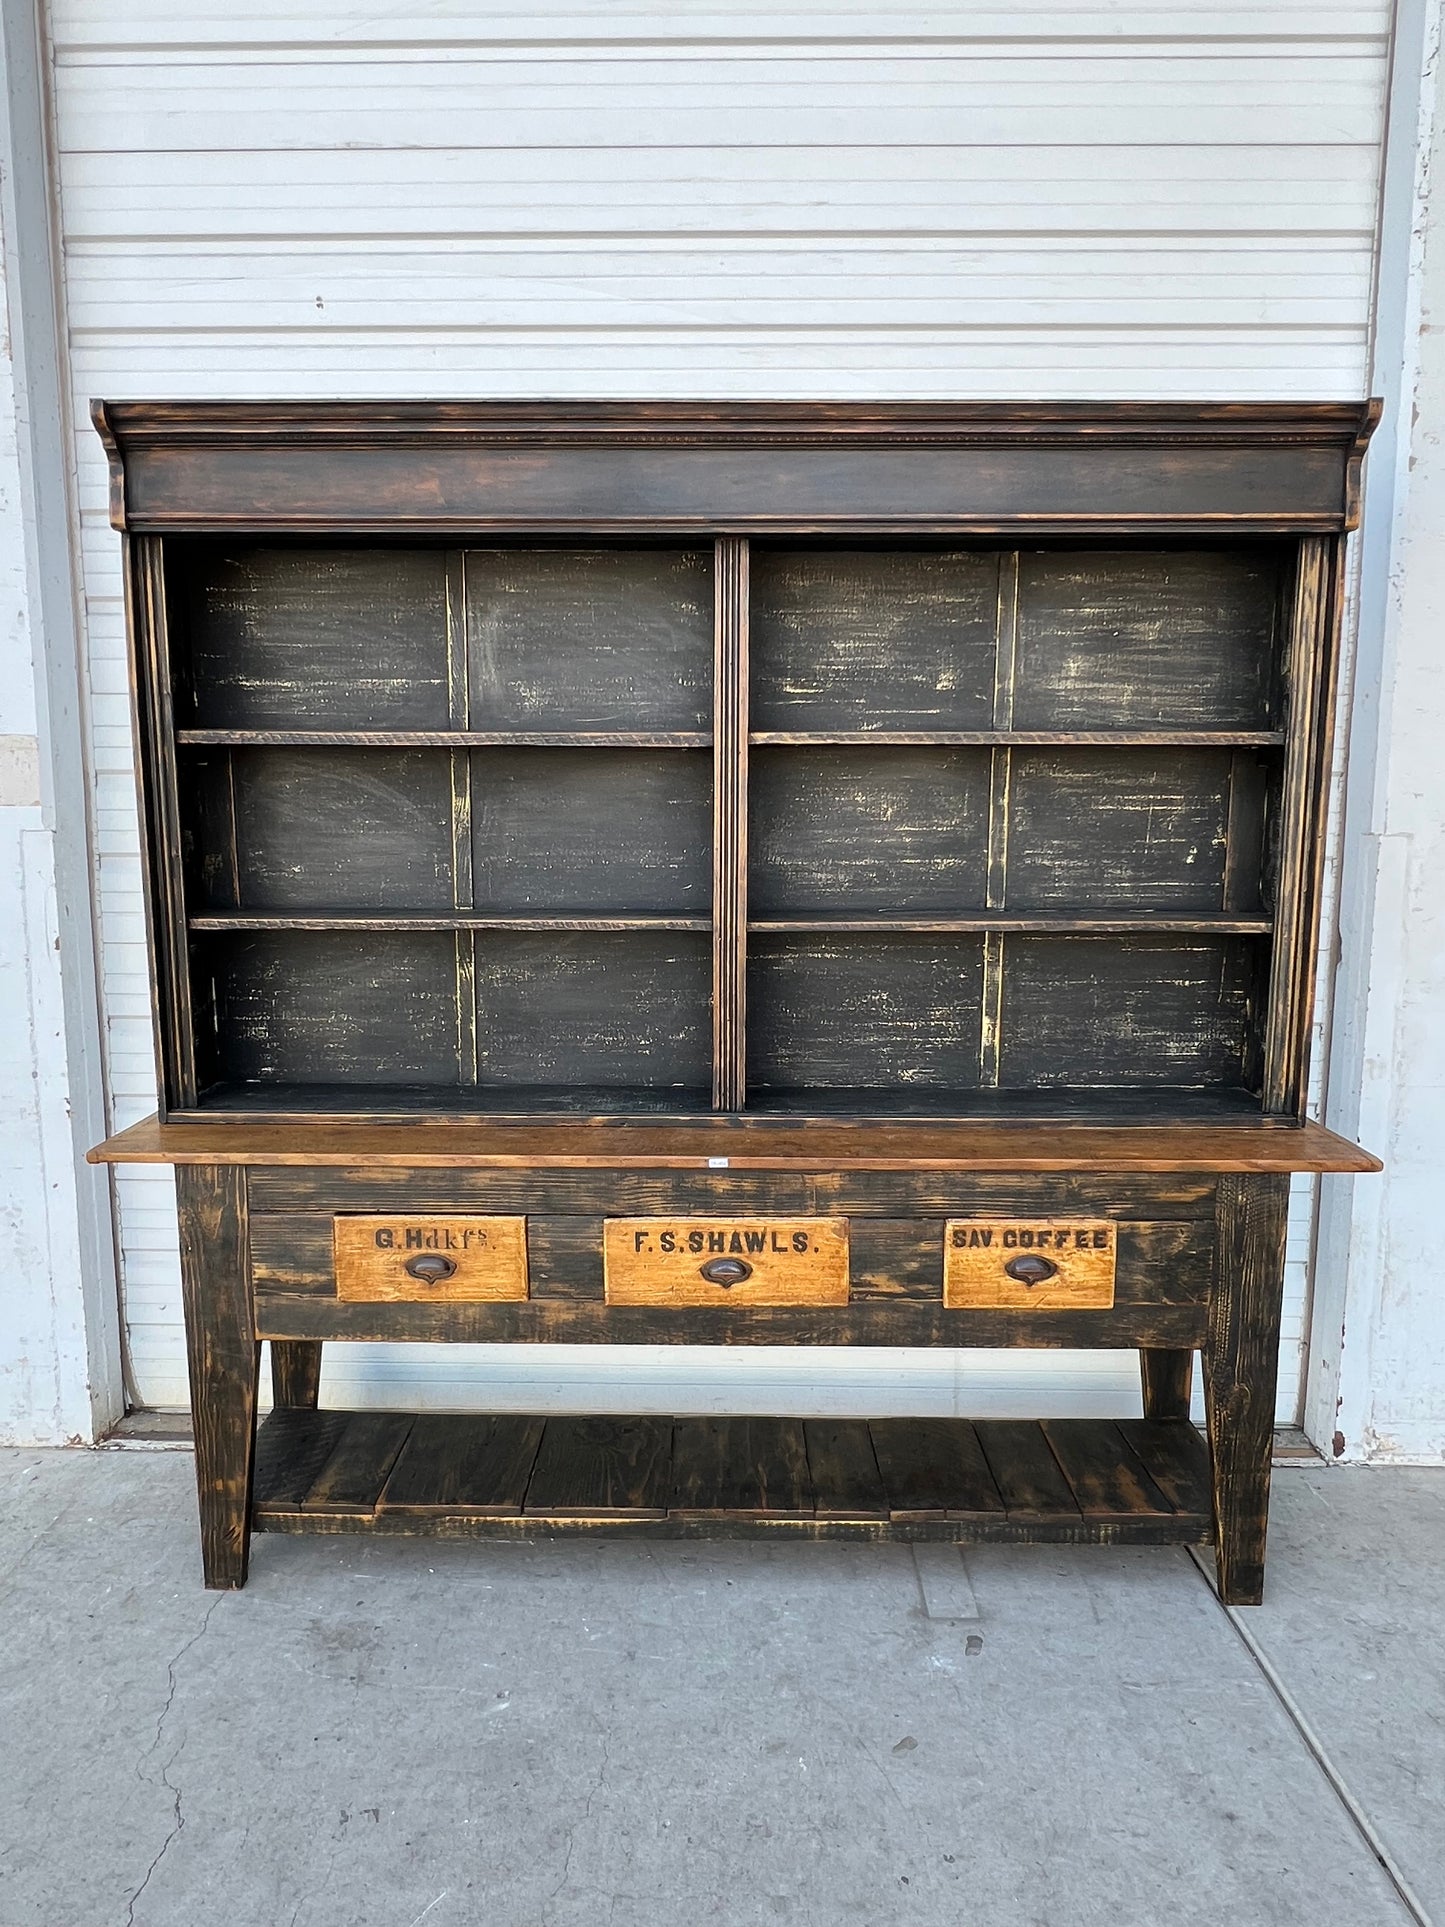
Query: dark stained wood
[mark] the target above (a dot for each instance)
(934, 1468)
(741, 1465)
(614, 1010)
(844, 1469)
(461, 1463)
(448, 912)
(890, 1258)
(964, 738)
(889, 639)
(224, 1360)
(859, 1013)
(303, 638)
(162, 853)
(1120, 829)
(1240, 1358)
(292, 1446)
(317, 830)
(1166, 1378)
(1175, 1457)
(652, 466)
(566, 1320)
(1105, 1477)
(837, 1495)
(1174, 639)
(352, 1478)
(295, 1371)
(589, 638)
(1029, 1478)
(1185, 1006)
(334, 1008)
(603, 1468)
(605, 833)
(756, 1145)
(730, 831)
(854, 831)
(1310, 671)
(460, 738)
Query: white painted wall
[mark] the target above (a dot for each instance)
(59, 1330)
(447, 198)
(1376, 1384)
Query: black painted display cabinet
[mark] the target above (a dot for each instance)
(739, 874)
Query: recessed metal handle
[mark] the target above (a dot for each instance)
(430, 1267)
(1030, 1269)
(725, 1271)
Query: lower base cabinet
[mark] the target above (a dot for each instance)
(1173, 1264)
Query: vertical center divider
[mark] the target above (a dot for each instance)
(999, 796)
(459, 716)
(729, 822)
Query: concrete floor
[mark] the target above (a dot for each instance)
(377, 1735)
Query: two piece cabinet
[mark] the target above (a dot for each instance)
(737, 874)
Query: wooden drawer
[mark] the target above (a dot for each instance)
(426, 1259)
(717, 1261)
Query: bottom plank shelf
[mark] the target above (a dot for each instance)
(1075, 1481)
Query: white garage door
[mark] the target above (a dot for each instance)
(438, 198)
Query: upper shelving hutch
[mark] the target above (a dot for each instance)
(949, 761)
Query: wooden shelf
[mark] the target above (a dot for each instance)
(1027, 922)
(431, 920)
(1071, 1481)
(781, 1143)
(1025, 738)
(444, 739)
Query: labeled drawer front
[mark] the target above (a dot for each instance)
(725, 1261)
(1017, 1264)
(420, 1259)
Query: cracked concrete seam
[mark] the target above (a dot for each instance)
(177, 1816)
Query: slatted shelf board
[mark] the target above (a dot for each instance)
(1074, 1481)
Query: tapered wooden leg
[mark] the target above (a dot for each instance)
(1241, 1363)
(1167, 1377)
(296, 1371)
(224, 1359)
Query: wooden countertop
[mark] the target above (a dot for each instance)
(745, 1144)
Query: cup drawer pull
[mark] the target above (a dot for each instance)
(725, 1271)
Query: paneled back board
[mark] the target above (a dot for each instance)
(876, 809)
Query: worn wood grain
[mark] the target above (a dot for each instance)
(429, 1258)
(890, 639)
(934, 1468)
(589, 638)
(860, 830)
(1165, 1379)
(844, 1469)
(731, 859)
(1155, 639)
(1029, 1478)
(295, 1372)
(460, 1463)
(725, 1262)
(611, 832)
(582, 1465)
(617, 1011)
(1020, 1145)
(1105, 1477)
(741, 1465)
(224, 1361)
(603, 1468)
(352, 1478)
(1240, 1358)
(864, 1012)
(350, 637)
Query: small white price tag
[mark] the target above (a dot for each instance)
(717, 1164)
